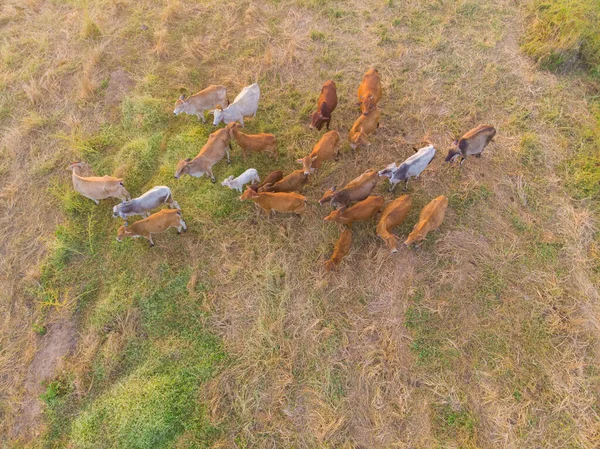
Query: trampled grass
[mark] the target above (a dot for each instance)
(231, 335)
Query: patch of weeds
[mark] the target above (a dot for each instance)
(143, 112)
(317, 35)
(462, 202)
(89, 29)
(454, 423)
(519, 224)
(384, 35)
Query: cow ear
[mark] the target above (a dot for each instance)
(455, 142)
(361, 129)
(300, 161)
(371, 97)
(334, 188)
(314, 158)
(188, 159)
(182, 97)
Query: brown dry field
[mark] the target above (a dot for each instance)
(487, 336)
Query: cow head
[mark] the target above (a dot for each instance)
(306, 162)
(453, 153)
(218, 113)
(391, 241)
(327, 195)
(318, 120)
(367, 105)
(333, 216)
(388, 171)
(123, 232)
(231, 127)
(358, 139)
(227, 181)
(249, 194)
(180, 105)
(183, 168)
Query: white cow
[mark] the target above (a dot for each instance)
(152, 199)
(413, 166)
(238, 183)
(245, 104)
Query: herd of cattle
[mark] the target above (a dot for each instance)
(353, 202)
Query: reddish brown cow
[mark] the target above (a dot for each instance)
(430, 218)
(341, 249)
(280, 202)
(363, 210)
(273, 177)
(253, 143)
(325, 150)
(363, 126)
(393, 215)
(325, 106)
(291, 183)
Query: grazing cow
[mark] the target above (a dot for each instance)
(238, 183)
(245, 104)
(152, 199)
(204, 100)
(155, 223)
(413, 166)
(253, 143)
(217, 146)
(472, 143)
(369, 91)
(97, 187)
(280, 202)
(325, 150)
(430, 218)
(273, 177)
(326, 104)
(341, 249)
(363, 126)
(291, 183)
(363, 210)
(356, 190)
(393, 215)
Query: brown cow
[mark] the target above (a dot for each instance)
(430, 218)
(280, 202)
(155, 223)
(369, 91)
(393, 215)
(326, 104)
(273, 177)
(327, 195)
(202, 101)
(325, 150)
(291, 183)
(356, 190)
(363, 126)
(217, 146)
(363, 210)
(253, 143)
(472, 143)
(341, 249)
(97, 187)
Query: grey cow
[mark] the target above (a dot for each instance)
(152, 199)
(411, 167)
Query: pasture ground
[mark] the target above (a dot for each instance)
(232, 335)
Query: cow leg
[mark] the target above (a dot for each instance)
(227, 152)
(327, 125)
(149, 237)
(405, 185)
(212, 177)
(462, 160)
(183, 225)
(478, 155)
(201, 116)
(173, 204)
(242, 121)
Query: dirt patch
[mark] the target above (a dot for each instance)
(119, 84)
(56, 344)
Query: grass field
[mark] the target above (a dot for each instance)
(232, 335)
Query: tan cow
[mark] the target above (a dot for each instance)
(363, 126)
(202, 101)
(325, 150)
(393, 215)
(291, 183)
(280, 201)
(341, 249)
(253, 143)
(154, 224)
(430, 218)
(217, 146)
(97, 187)
(369, 91)
(356, 190)
(363, 210)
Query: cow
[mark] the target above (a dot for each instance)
(204, 100)
(341, 249)
(154, 224)
(363, 126)
(326, 104)
(325, 150)
(245, 104)
(294, 182)
(472, 143)
(253, 143)
(152, 199)
(369, 91)
(356, 190)
(280, 201)
(238, 183)
(393, 215)
(97, 187)
(361, 211)
(430, 218)
(273, 177)
(413, 166)
(326, 198)
(217, 146)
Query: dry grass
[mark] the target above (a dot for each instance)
(485, 337)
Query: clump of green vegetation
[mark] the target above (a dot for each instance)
(564, 32)
(89, 29)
